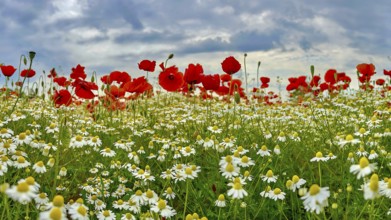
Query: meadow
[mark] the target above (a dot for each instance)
(199, 147)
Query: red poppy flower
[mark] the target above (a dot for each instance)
(296, 83)
(119, 77)
(265, 80)
(83, 89)
(62, 97)
(331, 76)
(8, 70)
(78, 72)
(211, 82)
(226, 78)
(230, 65)
(234, 85)
(147, 65)
(366, 69)
(106, 79)
(387, 72)
(116, 92)
(315, 81)
(264, 85)
(380, 82)
(170, 79)
(27, 73)
(138, 85)
(193, 74)
(61, 81)
(53, 73)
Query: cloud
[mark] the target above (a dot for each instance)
(287, 36)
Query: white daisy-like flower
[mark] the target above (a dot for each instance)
(106, 215)
(208, 143)
(41, 199)
(220, 202)
(295, 183)
(94, 142)
(128, 216)
(22, 192)
(267, 192)
(230, 170)
(281, 137)
(277, 194)
(53, 213)
(3, 169)
(331, 156)
(319, 157)
(351, 157)
(188, 173)
(363, 169)
(267, 134)
(63, 171)
(21, 162)
(77, 142)
(169, 194)
(215, 129)
(237, 191)
(120, 204)
(373, 155)
(150, 197)
(362, 132)
(316, 198)
(7, 146)
(187, 151)
(269, 177)
(362, 152)
(277, 150)
(349, 139)
(263, 151)
(22, 138)
(52, 128)
(39, 167)
(78, 211)
(163, 209)
(6, 133)
(224, 161)
(371, 189)
(168, 174)
(107, 152)
(385, 188)
(99, 205)
(138, 198)
(246, 162)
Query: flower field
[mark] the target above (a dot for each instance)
(115, 147)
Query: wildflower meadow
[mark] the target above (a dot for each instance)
(194, 145)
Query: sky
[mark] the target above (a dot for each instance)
(287, 36)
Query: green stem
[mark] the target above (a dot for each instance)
(187, 195)
(320, 174)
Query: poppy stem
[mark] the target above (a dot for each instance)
(21, 87)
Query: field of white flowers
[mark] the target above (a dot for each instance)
(174, 156)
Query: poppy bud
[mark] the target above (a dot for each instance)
(259, 63)
(171, 56)
(31, 55)
(312, 70)
(237, 98)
